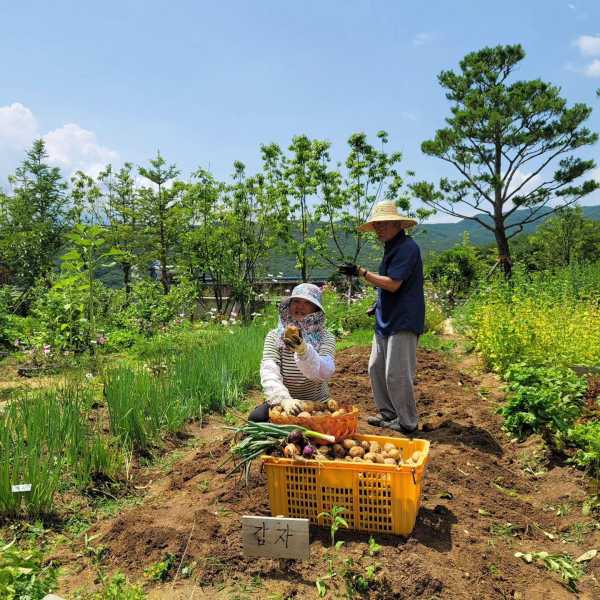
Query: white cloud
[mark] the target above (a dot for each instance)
(69, 147)
(593, 69)
(519, 178)
(423, 38)
(73, 148)
(18, 127)
(589, 45)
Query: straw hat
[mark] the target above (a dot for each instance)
(386, 211)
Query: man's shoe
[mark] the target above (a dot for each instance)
(395, 426)
(377, 420)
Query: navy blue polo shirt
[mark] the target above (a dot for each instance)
(403, 310)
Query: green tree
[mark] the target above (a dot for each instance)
(503, 139)
(200, 257)
(34, 219)
(303, 174)
(371, 174)
(252, 223)
(160, 207)
(566, 238)
(120, 214)
(89, 251)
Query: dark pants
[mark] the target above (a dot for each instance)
(260, 414)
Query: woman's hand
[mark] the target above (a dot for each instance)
(292, 406)
(292, 338)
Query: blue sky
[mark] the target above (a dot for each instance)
(208, 82)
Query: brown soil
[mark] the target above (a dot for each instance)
(477, 482)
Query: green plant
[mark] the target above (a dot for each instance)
(336, 522)
(116, 587)
(160, 571)
(22, 574)
(569, 570)
(586, 436)
(541, 399)
(374, 547)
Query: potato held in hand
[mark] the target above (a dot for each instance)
(291, 332)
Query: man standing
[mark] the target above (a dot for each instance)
(400, 318)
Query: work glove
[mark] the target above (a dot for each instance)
(292, 406)
(371, 311)
(292, 338)
(349, 269)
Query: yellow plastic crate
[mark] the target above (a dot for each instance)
(377, 498)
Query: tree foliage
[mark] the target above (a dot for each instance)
(34, 219)
(504, 138)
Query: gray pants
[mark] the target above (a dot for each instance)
(392, 369)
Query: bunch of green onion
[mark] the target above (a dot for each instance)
(260, 438)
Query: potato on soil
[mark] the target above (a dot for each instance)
(356, 451)
(349, 443)
(366, 445)
(378, 458)
(358, 459)
(325, 450)
(370, 456)
(389, 461)
(389, 446)
(339, 451)
(304, 415)
(416, 456)
(349, 458)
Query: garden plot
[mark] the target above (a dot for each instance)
(484, 500)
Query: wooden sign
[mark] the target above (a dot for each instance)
(275, 537)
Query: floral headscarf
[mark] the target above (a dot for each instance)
(312, 326)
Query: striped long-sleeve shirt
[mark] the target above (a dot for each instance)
(284, 374)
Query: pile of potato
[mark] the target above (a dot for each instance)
(367, 452)
(316, 409)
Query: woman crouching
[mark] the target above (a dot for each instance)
(298, 356)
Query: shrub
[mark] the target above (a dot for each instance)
(344, 317)
(543, 319)
(586, 436)
(541, 399)
(454, 271)
(22, 574)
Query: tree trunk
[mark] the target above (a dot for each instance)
(503, 249)
(127, 281)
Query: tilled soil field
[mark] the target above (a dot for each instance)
(484, 498)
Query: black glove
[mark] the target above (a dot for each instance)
(349, 269)
(372, 310)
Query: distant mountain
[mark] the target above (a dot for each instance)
(441, 236)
